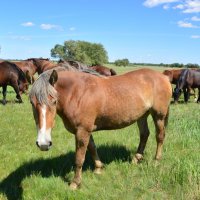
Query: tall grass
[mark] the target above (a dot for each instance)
(27, 173)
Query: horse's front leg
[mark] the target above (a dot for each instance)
(82, 139)
(93, 151)
(186, 92)
(4, 94)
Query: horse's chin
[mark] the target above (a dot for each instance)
(44, 148)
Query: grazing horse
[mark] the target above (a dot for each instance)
(27, 66)
(104, 70)
(88, 103)
(173, 76)
(11, 75)
(189, 79)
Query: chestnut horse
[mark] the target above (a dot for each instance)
(173, 74)
(27, 66)
(42, 64)
(104, 70)
(88, 103)
(11, 75)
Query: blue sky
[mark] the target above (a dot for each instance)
(151, 31)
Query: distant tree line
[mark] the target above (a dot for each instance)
(95, 54)
(189, 65)
(122, 62)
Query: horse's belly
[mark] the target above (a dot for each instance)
(119, 120)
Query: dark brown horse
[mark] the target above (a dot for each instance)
(27, 66)
(11, 75)
(88, 103)
(189, 79)
(173, 75)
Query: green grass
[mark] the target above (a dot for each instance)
(27, 173)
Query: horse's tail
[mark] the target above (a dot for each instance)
(167, 118)
(113, 72)
(182, 79)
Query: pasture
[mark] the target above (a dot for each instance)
(27, 173)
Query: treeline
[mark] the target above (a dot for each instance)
(125, 62)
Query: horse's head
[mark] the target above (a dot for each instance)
(43, 98)
(24, 81)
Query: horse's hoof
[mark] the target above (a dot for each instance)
(157, 158)
(4, 103)
(73, 186)
(137, 158)
(98, 171)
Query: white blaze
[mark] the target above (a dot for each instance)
(44, 135)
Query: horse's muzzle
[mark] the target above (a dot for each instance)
(44, 147)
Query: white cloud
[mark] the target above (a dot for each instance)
(166, 7)
(188, 6)
(28, 24)
(192, 6)
(50, 26)
(153, 3)
(195, 18)
(72, 28)
(179, 6)
(186, 24)
(195, 36)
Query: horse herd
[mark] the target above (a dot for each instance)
(88, 101)
(20, 74)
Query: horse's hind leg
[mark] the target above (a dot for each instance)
(160, 121)
(4, 94)
(144, 134)
(16, 88)
(95, 156)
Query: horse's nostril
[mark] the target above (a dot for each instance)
(50, 143)
(37, 144)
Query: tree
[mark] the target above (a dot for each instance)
(82, 51)
(122, 62)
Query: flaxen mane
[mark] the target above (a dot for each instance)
(41, 88)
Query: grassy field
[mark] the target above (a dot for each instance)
(27, 173)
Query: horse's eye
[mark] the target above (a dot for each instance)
(53, 101)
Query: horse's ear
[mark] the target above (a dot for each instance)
(28, 77)
(53, 77)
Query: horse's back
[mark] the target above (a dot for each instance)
(5, 72)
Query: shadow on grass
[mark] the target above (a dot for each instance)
(58, 166)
